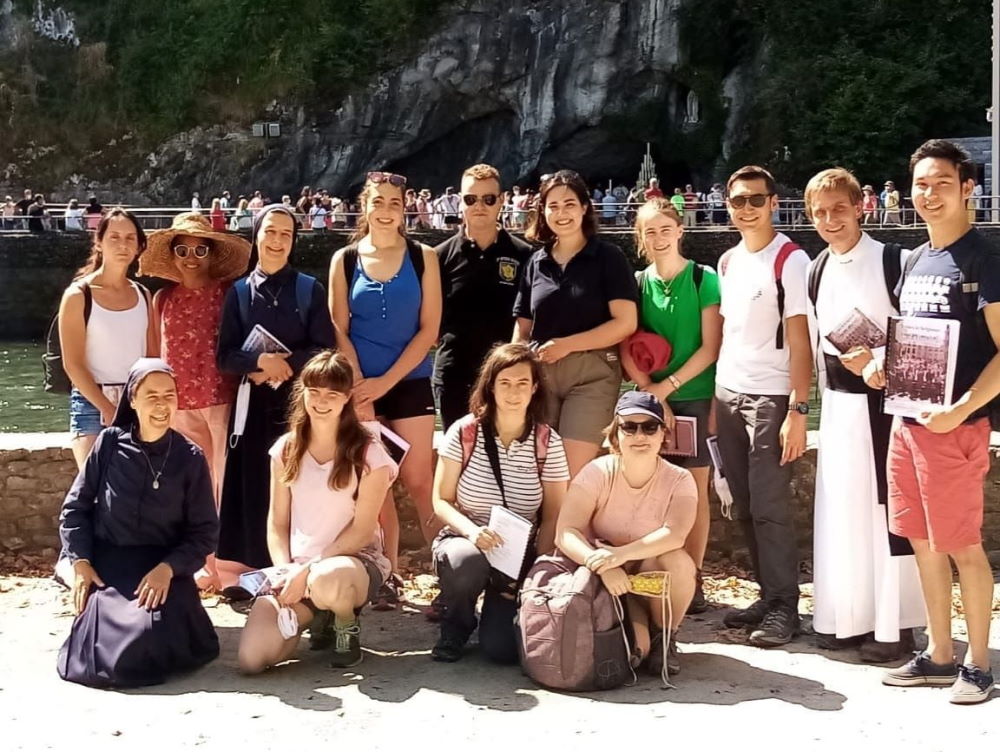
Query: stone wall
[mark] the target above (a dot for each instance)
(37, 469)
(35, 269)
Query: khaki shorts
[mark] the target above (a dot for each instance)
(583, 389)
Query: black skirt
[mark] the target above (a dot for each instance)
(114, 643)
(246, 488)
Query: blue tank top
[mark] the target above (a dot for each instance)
(385, 316)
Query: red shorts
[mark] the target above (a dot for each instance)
(936, 483)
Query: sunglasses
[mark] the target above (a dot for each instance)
(198, 251)
(490, 199)
(756, 200)
(631, 427)
(386, 177)
(564, 174)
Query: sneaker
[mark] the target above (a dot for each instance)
(746, 617)
(777, 628)
(654, 662)
(346, 644)
(921, 671)
(973, 685)
(388, 595)
(698, 603)
(887, 652)
(449, 648)
(321, 634)
(673, 656)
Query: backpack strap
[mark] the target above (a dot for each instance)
(242, 288)
(469, 426)
(724, 262)
(493, 454)
(543, 434)
(892, 269)
(911, 262)
(303, 296)
(816, 276)
(697, 274)
(416, 253)
(88, 301)
(779, 267)
(350, 263)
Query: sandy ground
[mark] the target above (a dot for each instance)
(728, 693)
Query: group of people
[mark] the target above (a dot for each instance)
(287, 473)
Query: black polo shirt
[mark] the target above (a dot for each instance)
(478, 288)
(563, 302)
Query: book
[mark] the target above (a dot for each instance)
(394, 444)
(263, 581)
(920, 365)
(856, 330)
(260, 340)
(683, 441)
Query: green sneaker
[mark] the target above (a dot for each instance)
(346, 644)
(321, 631)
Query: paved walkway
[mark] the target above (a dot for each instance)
(728, 694)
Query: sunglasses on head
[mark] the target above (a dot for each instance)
(198, 251)
(470, 199)
(387, 177)
(631, 427)
(756, 200)
(564, 174)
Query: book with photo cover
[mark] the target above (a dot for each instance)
(394, 444)
(683, 442)
(260, 340)
(920, 365)
(856, 330)
(263, 581)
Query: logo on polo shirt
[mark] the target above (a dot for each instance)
(507, 269)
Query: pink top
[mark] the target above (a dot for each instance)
(624, 514)
(189, 333)
(320, 513)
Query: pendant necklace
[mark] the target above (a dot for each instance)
(157, 474)
(273, 296)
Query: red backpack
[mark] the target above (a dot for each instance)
(469, 430)
(779, 266)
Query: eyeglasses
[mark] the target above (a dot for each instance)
(198, 251)
(386, 177)
(756, 200)
(648, 427)
(470, 199)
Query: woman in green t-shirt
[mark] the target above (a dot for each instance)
(679, 300)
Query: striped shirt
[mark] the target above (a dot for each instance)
(477, 488)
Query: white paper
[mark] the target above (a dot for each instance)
(516, 534)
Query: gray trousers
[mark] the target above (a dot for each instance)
(748, 433)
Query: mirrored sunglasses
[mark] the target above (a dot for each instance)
(756, 200)
(470, 199)
(386, 177)
(198, 251)
(631, 427)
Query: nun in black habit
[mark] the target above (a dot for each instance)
(292, 308)
(136, 525)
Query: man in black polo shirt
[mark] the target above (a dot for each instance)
(481, 268)
(22, 206)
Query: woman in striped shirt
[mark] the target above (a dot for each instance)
(527, 473)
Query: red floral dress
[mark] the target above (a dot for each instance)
(190, 331)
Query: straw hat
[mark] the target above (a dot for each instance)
(228, 257)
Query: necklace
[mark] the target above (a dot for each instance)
(273, 296)
(158, 473)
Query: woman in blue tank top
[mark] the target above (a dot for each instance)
(385, 300)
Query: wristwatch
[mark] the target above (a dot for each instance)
(802, 408)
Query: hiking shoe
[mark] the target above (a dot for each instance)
(921, 671)
(886, 652)
(346, 645)
(654, 662)
(973, 685)
(746, 617)
(388, 595)
(777, 628)
(449, 648)
(321, 631)
(673, 656)
(698, 603)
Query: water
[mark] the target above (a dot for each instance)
(24, 405)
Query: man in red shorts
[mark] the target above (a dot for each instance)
(937, 463)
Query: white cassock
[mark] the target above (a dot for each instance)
(859, 587)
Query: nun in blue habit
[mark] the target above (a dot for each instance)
(136, 525)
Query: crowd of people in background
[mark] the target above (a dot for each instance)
(240, 420)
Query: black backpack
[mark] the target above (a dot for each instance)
(891, 266)
(56, 380)
(971, 275)
(413, 249)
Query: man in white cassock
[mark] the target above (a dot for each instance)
(866, 588)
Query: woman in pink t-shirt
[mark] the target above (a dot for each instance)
(329, 477)
(631, 511)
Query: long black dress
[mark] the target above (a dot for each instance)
(246, 487)
(115, 518)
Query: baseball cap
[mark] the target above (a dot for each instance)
(639, 403)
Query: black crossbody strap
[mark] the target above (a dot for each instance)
(493, 453)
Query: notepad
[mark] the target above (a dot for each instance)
(515, 531)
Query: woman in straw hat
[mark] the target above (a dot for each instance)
(203, 263)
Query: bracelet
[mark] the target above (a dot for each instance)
(673, 380)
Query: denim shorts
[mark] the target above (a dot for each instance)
(84, 418)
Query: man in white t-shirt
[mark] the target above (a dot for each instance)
(762, 387)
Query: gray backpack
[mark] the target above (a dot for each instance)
(571, 632)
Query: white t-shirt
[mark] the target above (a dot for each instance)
(477, 488)
(749, 362)
(74, 219)
(318, 216)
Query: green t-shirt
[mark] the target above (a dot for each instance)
(678, 201)
(673, 310)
